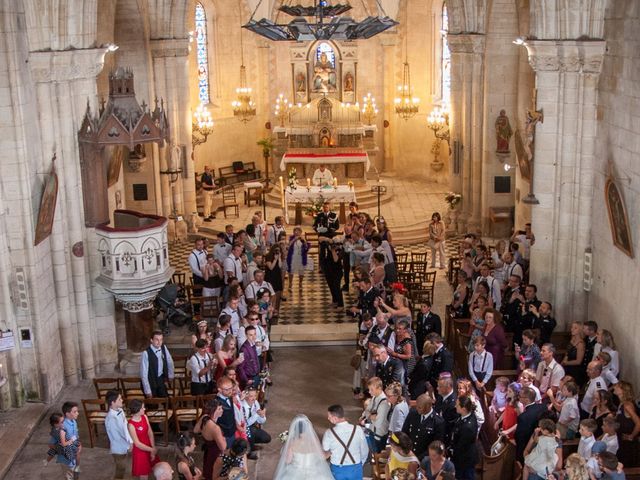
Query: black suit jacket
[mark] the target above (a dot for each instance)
(391, 372)
(423, 433)
(464, 452)
(447, 410)
(227, 420)
(419, 378)
(366, 299)
(426, 324)
(442, 362)
(527, 423)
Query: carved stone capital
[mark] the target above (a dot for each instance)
(566, 55)
(466, 43)
(136, 305)
(169, 47)
(67, 65)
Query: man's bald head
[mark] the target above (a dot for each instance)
(225, 386)
(424, 404)
(162, 471)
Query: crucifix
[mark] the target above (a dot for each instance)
(533, 117)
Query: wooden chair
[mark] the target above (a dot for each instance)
(131, 387)
(103, 385)
(159, 413)
(379, 462)
(254, 195)
(429, 282)
(204, 399)
(182, 385)
(402, 258)
(185, 408)
(419, 267)
(179, 278)
(419, 257)
(209, 308)
(180, 365)
(452, 271)
(403, 266)
(95, 412)
(229, 200)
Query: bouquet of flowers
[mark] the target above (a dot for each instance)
(283, 436)
(452, 199)
(292, 180)
(315, 207)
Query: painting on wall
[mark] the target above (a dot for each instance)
(618, 219)
(115, 165)
(47, 205)
(299, 84)
(349, 87)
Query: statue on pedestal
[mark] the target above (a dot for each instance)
(503, 133)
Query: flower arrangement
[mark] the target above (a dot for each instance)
(452, 199)
(315, 207)
(292, 180)
(283, 436)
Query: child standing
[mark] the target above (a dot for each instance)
(587, 427)
(569, 419)
(68, 450)
(70, 435)
(610, 436)
(592, 464)
(500, 395)
(480, 363)
(144, 454)
(527, 378)
(509, 418)
(542, 452)
(120, 441)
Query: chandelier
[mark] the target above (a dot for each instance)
(406, 104)
(243, 107)
(202, 125)
(369, 110)
(319, 21)
(438, 121)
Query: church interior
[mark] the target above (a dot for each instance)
(495, 113)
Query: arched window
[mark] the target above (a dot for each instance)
(445, 62)
(202, 54)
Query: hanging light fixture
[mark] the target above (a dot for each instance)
(406, 104)
(282, 108)
(369, 110)
(243, 107)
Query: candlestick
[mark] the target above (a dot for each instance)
(335, 182)
(308, 183)
(281, 192)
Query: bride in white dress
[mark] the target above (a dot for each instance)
(302, 455)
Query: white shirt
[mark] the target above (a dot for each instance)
(570, 415)
(482, 362)
(233, 264)
(221, 251)
(321, 178)
(251, 413)
(253, 287)
(272, 234)
(494, 289)
(197, 363)
(513, 268)
(593, 386)
(549, 375)
(119, 438)
(261, 336)
(235, 319)
(611, 441)
(359, 449)
(398, 416)
(217, 343)
(584, 447)
(197, 259)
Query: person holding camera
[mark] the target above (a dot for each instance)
(374, 418)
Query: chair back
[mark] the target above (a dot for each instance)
(180, 365)
(179, 278)
(419, 257)
(229, 195)
(131, 387)
(103, 385)
(95, 413)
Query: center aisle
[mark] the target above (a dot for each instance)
(306, 380)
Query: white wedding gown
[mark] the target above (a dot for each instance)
(302, 456)
(305, 466)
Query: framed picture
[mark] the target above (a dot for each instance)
(47, 207)
(618, 219)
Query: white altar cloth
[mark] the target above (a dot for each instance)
(342, 194)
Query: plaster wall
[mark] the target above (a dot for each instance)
(613, 301)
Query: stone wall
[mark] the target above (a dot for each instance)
(613, 301)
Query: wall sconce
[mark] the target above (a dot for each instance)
(202, 126)
(438, 121)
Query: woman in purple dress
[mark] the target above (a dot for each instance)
(494, 333)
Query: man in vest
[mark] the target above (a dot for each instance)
(226, 422)
(156, 367)
(345, 445)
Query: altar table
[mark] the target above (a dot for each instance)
(342, 195)
(338, 161)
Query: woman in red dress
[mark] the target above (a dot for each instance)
(144, 454)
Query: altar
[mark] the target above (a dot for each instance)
(345, 163)
(342, 194)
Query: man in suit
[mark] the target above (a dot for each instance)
(423, 426)
(527, 420)
(227, 421)
(367, 298)
(249, 369)
(427, 322)
(446, 405)
(325, 224)
(388, 369)
(511, 302)
(382, 331)
(442, 359)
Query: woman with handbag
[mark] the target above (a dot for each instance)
(436, 240)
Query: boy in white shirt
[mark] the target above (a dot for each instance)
(587, 427)
(527, 377)
(569, 420)
(610, 436)
(592, 464)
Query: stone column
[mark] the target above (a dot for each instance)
(64, 80)
(171, 83)
(467, 87)
(567, 74)
(389, 42)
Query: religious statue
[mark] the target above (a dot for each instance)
(324, 78)
(348, 82)
(503, 133)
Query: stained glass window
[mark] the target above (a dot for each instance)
(446, 57)
(202, 54)
(326, 49)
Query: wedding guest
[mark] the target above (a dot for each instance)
(399, 407)
(185, 465)
(120, 442)
(527, 420)
(542, 454)
(480, 364)
(465, 389)
(435, 464)
(202, 365)
(496, 342)
(603, 407)
(419, 379)
(426, 322)
(528, 355)
(629, 421)
(144, 453)
(573, 359)
(346, 458)
(404, 348)
(274, 274)
(202, 332)
(214, 441)
(274, 230)
(607, 344)
(610, 428)
(256, 417)
(156, 367)
(235, 456)
(508, 419)
(500, 394)
(436, 240)
(424, 425)
(549, 373)
(227, 356)
(569, 420)
(375, 417)
(461, 296)
(464, 452)
(297, 256)
(401, 455)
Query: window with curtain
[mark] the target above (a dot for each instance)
(202, 54)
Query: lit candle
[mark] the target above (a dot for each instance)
(1, 376)
(335, 182)
(308, 182)
(281, 192)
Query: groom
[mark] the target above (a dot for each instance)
(345, 445)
